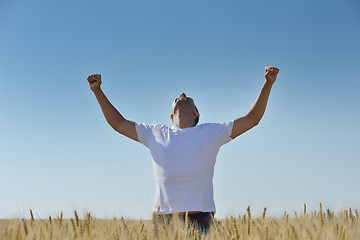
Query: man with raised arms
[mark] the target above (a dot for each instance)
(184, 154)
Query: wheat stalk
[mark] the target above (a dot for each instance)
(25, 227)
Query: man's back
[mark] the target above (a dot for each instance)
(183, 160)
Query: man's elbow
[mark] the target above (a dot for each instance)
(253, 121)
(117, 125)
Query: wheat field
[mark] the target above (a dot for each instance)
(315, 225)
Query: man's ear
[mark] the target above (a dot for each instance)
(196, 114)
(171, 116)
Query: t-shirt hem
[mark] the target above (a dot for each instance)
(183, 210)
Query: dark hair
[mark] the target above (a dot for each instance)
(196, 120)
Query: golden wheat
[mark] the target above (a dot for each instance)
(317, 225)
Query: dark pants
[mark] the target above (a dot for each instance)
(201, 221)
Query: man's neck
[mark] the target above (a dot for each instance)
(183, 123)
(183, 118)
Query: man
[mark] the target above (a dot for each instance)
(184, 154)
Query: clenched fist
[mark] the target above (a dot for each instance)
(271, 73)
(94, 81)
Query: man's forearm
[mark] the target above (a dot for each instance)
(257, 110)
(112, 116)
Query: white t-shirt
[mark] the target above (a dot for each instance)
(183, 161)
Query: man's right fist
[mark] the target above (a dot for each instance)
(94, 81)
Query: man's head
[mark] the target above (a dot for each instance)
(184, 112)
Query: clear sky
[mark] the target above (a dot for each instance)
(57, 153)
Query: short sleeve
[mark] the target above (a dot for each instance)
(224, 131)
(144, 133)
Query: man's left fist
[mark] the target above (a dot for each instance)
(271, 73)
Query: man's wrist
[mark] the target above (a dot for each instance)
(96, 90)
(268, 82)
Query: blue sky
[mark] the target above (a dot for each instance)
(57, 152)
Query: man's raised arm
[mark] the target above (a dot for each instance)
(113, 117)
(253, 117)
